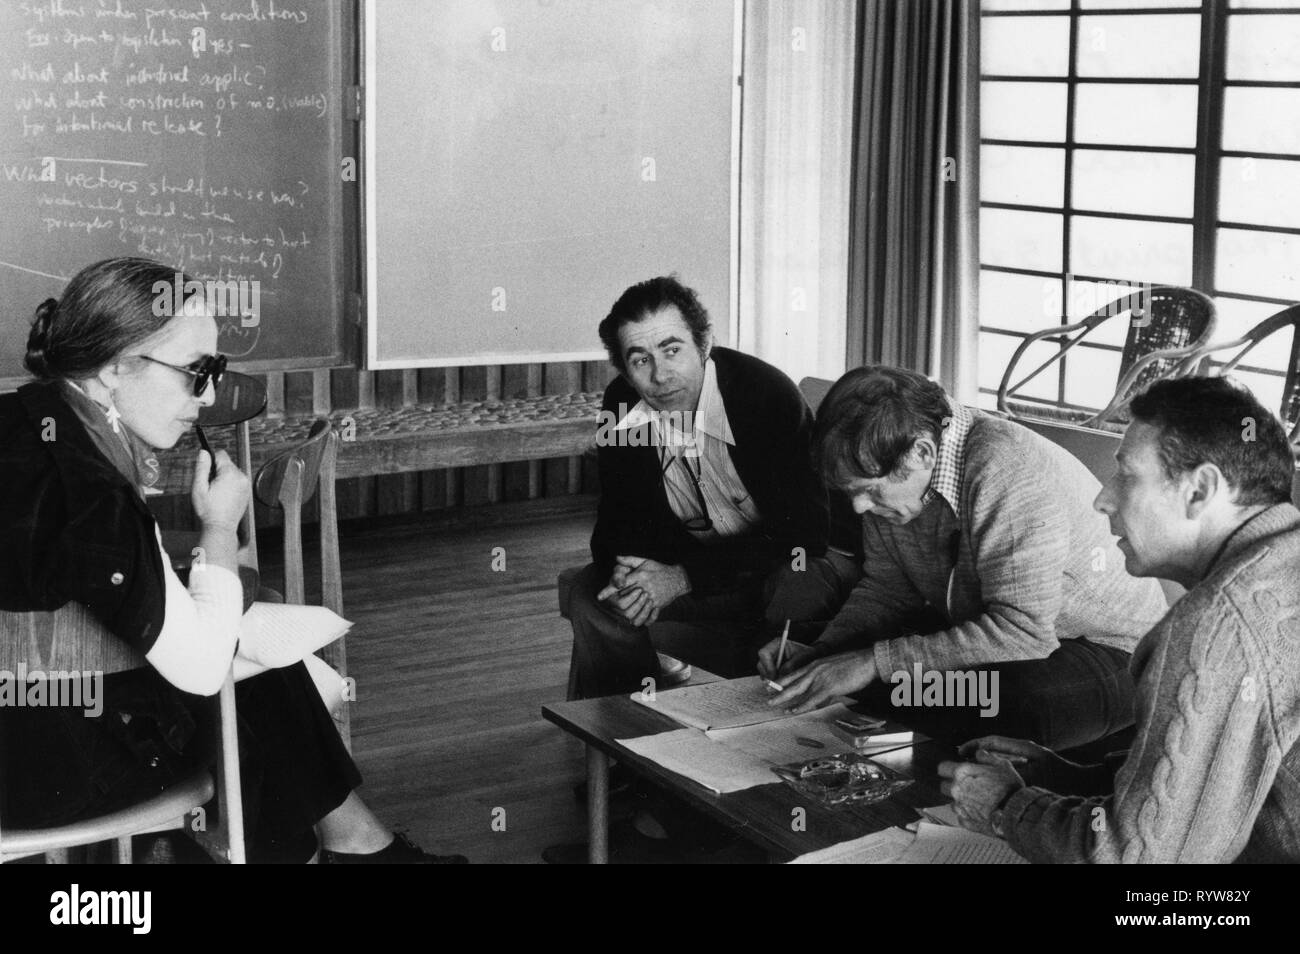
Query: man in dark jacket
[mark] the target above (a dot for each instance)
(712, 525)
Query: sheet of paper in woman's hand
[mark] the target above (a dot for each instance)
(281, 634)
(717, 705)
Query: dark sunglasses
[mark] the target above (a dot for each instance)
(210, 367)
(695, 524)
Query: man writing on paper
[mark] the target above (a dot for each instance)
(988, 580)
(1202, 496)
(711, 529)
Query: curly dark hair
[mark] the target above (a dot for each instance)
(871, 417)
(646, 298)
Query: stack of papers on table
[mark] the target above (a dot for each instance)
(731, 760)
(879, 848)
(735, 739)
(691, 753)
(930, 845)
(944, 845)
(724, 704)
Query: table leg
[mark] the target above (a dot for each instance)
(597, 806)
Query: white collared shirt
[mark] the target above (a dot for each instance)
(694, 447)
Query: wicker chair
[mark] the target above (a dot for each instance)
(1167, 327)
(1287, 318)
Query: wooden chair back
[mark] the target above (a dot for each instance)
(289, 481)
(69, 639)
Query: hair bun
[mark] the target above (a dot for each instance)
(38, 339)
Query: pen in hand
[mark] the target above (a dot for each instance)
(780, 655)
(212, 458)
(241, 531)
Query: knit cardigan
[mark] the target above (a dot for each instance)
(1214, 771)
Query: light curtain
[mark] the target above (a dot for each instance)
(913, 250)
(796, 122)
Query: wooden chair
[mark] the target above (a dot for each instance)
(1167, 325)
(289, 481)
(1286, 318)
(71, 640)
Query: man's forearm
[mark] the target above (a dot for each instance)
(990, 638)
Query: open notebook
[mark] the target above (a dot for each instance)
(726, 704)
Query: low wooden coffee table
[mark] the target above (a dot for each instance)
(765, 815)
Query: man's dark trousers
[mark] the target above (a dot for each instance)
(721, 631)
(1082, 692)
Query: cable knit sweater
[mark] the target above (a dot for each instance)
(1214, 772)
(1026, 563)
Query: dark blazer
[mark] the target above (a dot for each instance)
(772, 428)
(71, 526)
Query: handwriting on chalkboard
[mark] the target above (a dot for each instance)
(175, 131)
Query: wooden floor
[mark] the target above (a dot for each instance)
(453, 662)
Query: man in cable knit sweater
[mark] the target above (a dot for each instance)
(1202, 496)
(983, 561)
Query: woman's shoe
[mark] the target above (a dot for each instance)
(399, 851)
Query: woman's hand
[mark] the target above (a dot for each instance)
(221, 504)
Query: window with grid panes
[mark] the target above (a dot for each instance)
(1127, 141)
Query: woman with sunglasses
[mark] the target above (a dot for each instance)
(115, 380)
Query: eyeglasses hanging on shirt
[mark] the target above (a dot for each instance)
(700, 524)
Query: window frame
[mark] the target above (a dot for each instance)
(1211, 86)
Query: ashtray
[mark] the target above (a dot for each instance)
(840, 780)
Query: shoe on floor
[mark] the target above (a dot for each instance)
(400, 851)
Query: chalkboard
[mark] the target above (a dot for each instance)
(527, 160)
(206, 134)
